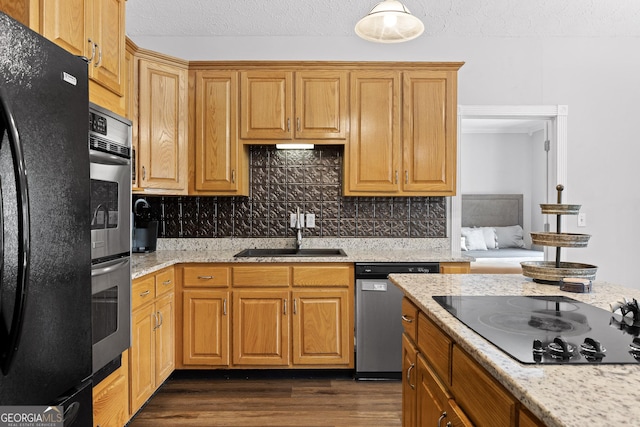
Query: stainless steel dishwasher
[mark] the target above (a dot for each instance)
(378, 317)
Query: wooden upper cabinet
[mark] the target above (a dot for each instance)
(283, 105)
(372, 159)
(266, 104)
(321, 104)
(93, 29)
(162, 125)
(403, 133)
(107, 35)
(220, 161)
(429, 132)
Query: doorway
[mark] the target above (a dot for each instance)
(555, 119)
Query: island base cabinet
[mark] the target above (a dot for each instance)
(409, 391)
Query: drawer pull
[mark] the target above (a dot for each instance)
(442, 417)
(206, 277)
(413, 386)
(407, 319)
(166, 282)
(145, 293)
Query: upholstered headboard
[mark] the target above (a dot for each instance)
(486, 210)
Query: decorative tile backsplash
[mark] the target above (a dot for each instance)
(283, 180)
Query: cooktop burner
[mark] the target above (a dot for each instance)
(548, 329)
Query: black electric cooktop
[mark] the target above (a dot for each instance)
(548, 329)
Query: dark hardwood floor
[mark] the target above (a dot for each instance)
(206, 399)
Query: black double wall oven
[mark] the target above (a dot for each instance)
(110, 170)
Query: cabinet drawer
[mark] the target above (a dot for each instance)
(323, 275)
(485, 401)
(261, 276)
(436, 346)
(165, 281)
(409, 318)
(205, 277)
(143, 290)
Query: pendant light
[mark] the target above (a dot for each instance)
(389, 22)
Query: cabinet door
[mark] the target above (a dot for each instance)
(107, 32)
(165, 338)
(266, 104)
(432, 398)
(429, 132)
(162, 127)
(142, 356)
(205, 327)
(321, 104)
(219, 164)
(321, 327)
(261, 327)
(110, 402)
(373, 157)
(64, 23)
(409, 391)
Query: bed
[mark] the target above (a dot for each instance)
(493, 233)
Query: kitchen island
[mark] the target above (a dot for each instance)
(558, 395)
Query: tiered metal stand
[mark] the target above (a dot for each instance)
(553, 272)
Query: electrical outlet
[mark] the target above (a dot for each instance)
(311, 220)
(582, 219)
(292, 220)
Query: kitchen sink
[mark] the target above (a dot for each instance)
(290, 252)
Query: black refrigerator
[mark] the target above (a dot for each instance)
(45, 254)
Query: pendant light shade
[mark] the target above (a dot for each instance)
(389, 22)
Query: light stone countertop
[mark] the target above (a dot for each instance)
(176, 251)
(559, 395)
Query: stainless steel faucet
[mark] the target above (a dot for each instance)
(298, 230)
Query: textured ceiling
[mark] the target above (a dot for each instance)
(306, 18)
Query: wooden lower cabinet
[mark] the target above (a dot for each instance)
(276, 315)
(444, 386)
(261, 327)
(111, 397)
(455, 268)
(205, 334)
(152, 352)
(321, 327)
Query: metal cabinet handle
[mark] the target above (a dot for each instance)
(166, 282)
(295, 306)
(144, 173)
(298, 124)
(407, 319)
(413, 386)
(145, 293)
(288, 124)
(155, 320)
(161, 317)
(285, 306)
(224, 307)
(233, 176)
(406, 176)
(396, 177)
(97, 64)
(205, 277)
(442, 417)
(93, 50)
(448, 424)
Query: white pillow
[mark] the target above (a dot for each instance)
(474, 238)
(510, 237)
(490, 238)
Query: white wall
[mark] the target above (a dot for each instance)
(596, 77)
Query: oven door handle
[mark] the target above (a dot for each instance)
(107, 159)
(108, 267)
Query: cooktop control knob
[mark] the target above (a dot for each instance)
(592, 349)
(560, 348)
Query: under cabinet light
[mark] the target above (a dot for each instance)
(294, 146)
